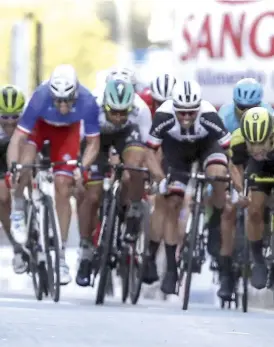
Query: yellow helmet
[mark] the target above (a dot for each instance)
(256, 125)
(12, 100)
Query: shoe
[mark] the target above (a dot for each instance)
(258, 275)
(169, 283)
(83, 273)
(226, 287)
(18, 227)
(65, 277)
(19, 264)
(150, 272)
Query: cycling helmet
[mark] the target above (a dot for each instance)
(119, 95)
(162, 86)
(63, 82)
(187, 96)
(122, 73)
(247, 92)
(256, 125)
(12, 100)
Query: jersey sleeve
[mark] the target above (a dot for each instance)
(237, 150)
(145, 122)
(161, 123)
(91, 119)
(31, 113)
(216, 128)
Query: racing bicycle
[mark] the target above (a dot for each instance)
(44, 237)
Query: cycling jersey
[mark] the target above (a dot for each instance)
(205, 141)
(230, 118)
(206, 125)
(41, 107)
(240, 156)
(146, 96)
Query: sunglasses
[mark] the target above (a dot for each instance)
(64, 100)
(7, 117)
(245, 107)
(187, 113)
(109, 109)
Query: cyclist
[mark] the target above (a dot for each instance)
(12, 101)
(159, 91)
(252, 144)
(247, 93)
(187, 128)
(54, 113)
(124, 124)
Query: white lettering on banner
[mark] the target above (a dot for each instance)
(233, 29)
(211, 77)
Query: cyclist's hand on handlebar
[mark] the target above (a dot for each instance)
(163, 187)
(11, 183)
(240, 199)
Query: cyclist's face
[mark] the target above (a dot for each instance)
(63, 106)
(241, 109)
(9, 123)
(259, 151)
(186, 118)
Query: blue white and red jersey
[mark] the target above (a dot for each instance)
(41, 108)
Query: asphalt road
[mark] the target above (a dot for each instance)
(76, 321)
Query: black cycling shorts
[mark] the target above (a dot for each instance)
(206, 151)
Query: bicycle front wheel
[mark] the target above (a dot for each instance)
(52, 249)
(107, 238)
(193, 231)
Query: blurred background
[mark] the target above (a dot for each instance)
(216, 42)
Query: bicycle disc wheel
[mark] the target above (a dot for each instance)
(52, 249)
(192, 242)
(138, 257)
(106, 249)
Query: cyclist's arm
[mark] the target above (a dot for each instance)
(24, 128)
(162, 122)
(216, 128)
(238, 158)
(92, 133)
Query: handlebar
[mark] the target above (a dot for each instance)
(256, 179)
(42, 166)
(119, 168)
(200, 176)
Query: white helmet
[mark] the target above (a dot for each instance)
(186, 95)
(63, 82)
(162, 86)
(122, 73)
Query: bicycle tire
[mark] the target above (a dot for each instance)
(192, 242)
(107, 243)
(124, 274)
(52, 270)
(245, 274)
(136, 268)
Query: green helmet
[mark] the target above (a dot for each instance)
(12, 100)
(119, 95)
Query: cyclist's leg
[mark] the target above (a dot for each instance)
(88, 218)
(27, 156)
(172, 205)
(215, 163)
(129, 146)
(65, 144)
(255, 221)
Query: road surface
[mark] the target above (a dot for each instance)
(76, 321)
